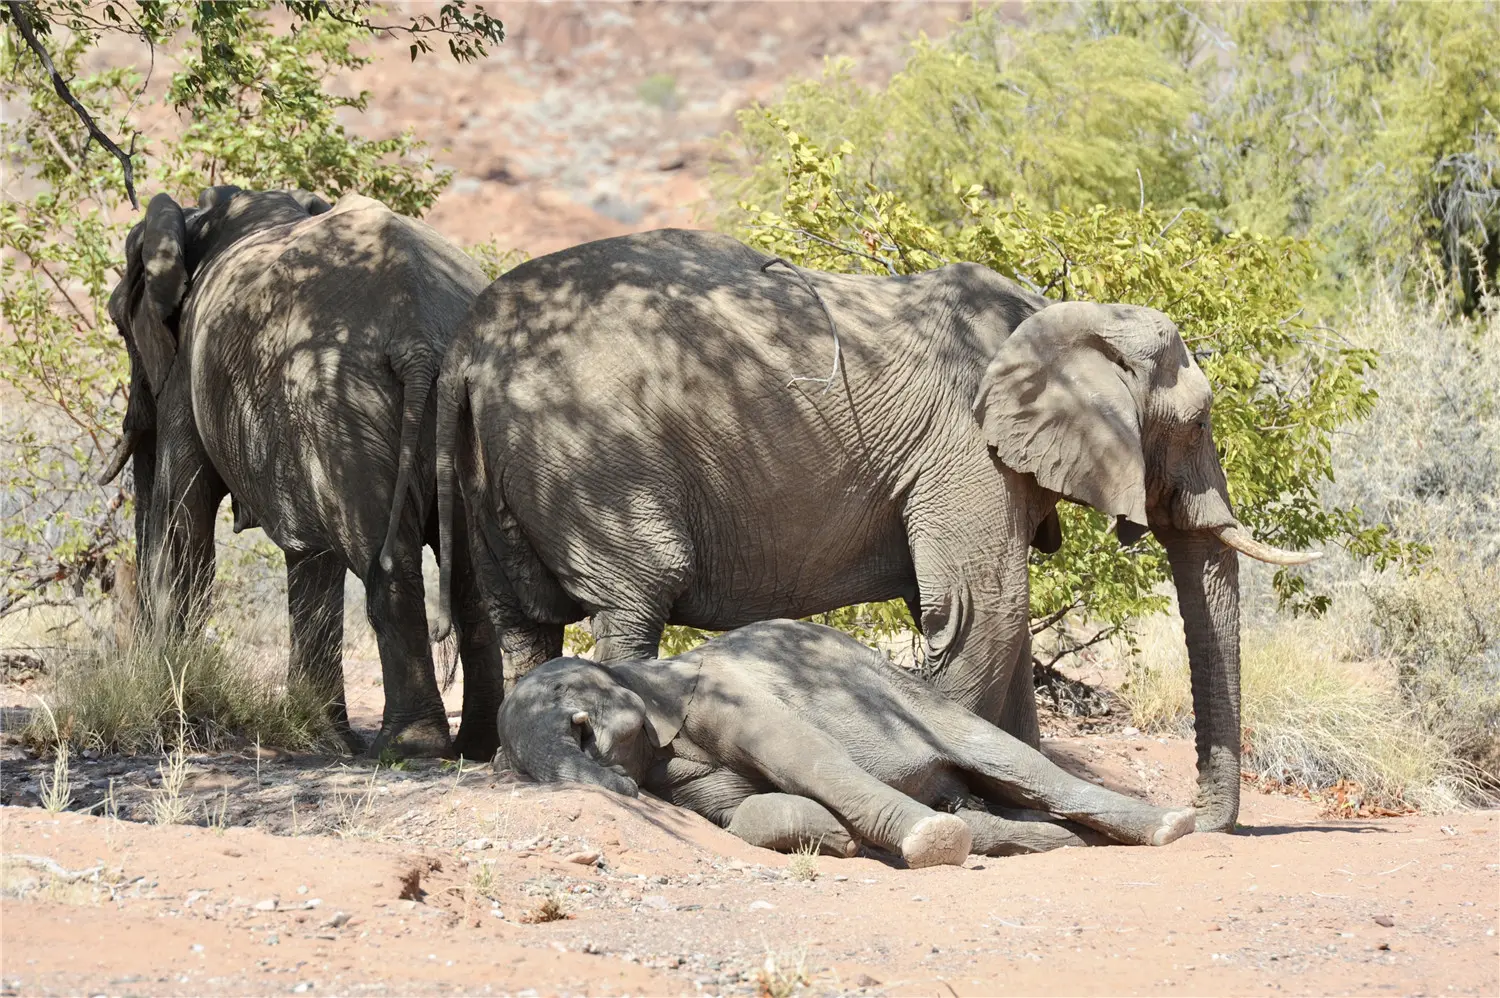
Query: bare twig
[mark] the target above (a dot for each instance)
(28, 34)
(833, 245)
(1052, 618)
(87, 322)
(1168, 226)
(838, 350)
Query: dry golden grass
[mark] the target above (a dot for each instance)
(1314, 714)
(548, 909)
(124, 700)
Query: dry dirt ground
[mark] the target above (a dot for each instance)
(319, 875)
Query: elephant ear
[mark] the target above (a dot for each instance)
(666, 688)
(310, 202)
(211, 197)
(161, 246)
(1061, 401)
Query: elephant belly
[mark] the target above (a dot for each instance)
(306, 443)
(847, 563)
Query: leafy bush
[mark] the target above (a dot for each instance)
(1373, 129)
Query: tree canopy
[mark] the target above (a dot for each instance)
(256, 107)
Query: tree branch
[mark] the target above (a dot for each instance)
(28, 34)
(833, 245)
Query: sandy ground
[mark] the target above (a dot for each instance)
(307, 874)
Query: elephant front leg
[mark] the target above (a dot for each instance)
(315, 607)
(969, 551)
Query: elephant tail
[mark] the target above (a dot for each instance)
(415, 390)
(453, 394)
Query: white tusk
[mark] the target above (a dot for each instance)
(122, 453)
(1237, 537)
(582, 717)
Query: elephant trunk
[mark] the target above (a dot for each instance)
(1207, 577)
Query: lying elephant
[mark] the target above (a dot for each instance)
(788, 733)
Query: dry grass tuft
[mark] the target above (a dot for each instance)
(57, 793)
(1314, 715)
(125, 701)
(803, 865)
(548, 909)
(781, 976)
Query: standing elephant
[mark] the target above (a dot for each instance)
(283, 351)
(790, 734)
(639, 434)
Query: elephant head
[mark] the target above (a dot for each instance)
(571, 719)
(1104, 405)
(177, 491)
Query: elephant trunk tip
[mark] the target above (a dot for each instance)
(1235, 536)
(122, 452)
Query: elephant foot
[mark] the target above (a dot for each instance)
(424, 739)
(937, 840)
(476, 746)
(1174, 825)
(353, 742)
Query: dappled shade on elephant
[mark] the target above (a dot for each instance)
(672, 427)
(283, 350)
(791, 734)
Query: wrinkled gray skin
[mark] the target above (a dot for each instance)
(273, 343)
(788, 733)
(639, 431)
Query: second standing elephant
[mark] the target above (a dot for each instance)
(671, 427)
(282, 351)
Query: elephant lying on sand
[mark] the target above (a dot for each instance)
(282, 351)
(641, 432)
(788, 732)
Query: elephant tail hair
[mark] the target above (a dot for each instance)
(415, 390)
(453, 392)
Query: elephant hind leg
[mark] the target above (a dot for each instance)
(627, 635)
(788, 823)
(1000, 836)
(315, 608)
(1003, 770)
(415, 722)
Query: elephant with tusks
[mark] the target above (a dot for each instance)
(672, 427)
